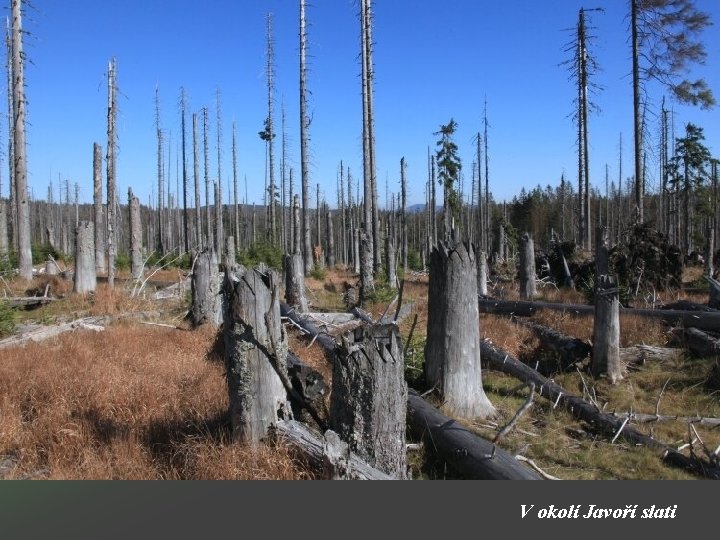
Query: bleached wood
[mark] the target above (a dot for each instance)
(85, 278)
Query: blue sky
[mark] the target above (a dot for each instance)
(433, 60)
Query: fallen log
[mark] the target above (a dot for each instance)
(700, 343)
(569, 350)
(314, 448)
(325, 340)
(603, 423)
(645, 418)
(42, 333)
(472, 456)
(714, 300)
(519, 308)
(640, 354)
(28, 301)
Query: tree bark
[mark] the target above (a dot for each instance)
(367, 283)
(528, 289)
(369, 397)
(100, 260)
(136, 258)
(606, 331)
(205, 288)
(230, 260)
(255, 354)
(295, 282)
(473, 457)
(452, 351)
(85, 276)
(482, 274)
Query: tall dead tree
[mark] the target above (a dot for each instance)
(100, 261)
(209, 242)
(330, 238)
(403, 215)
(236, 207)
(186, 213)
(85, 278)
(369, 83)
(368, 149)
(199, 242)
(268, 133)
(255, 354)
(19, 179)
(368, 406)
(294, 270)
(452, 350)
(304, 142)
(110, 173)
(219, 223)
(160, 241)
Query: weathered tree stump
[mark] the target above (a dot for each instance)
(85, 277)
(482, 267)
(136, 259)
(606, 331)
(51, 267)
(255, 354)
(452, 350)
(526, 274)
(368, 404)
(295, 282)
(205, 287)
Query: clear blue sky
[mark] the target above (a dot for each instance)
(434, 60)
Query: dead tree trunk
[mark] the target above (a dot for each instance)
(230, 259)
(602, 265)
(255, 354)
(368, 406)
(136, 259)
(471, 456)
(85, 276)
(528, 289)
(452, 351)
(110, 175)
(3, 228)
(205, 287)
(100, 260)
(482, 274)
(569, 350)
(367, 283)
(390, 262)
(701, 344)
(606, 331)
(330, 240)
(295, 282)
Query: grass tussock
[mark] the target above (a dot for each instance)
(126, 403)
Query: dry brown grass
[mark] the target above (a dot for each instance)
(127, 403)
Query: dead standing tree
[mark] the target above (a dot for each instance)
(205, 288)
(294, 269)
(526, 273)
(452, 352)
(136, 258)
(606, 331)
(368, 406)
(255, 354)
(111, 179)
(304, 143)
(100, 261)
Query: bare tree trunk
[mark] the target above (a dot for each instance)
(186, 214)
(368, 405)
(368, 192)
(304, 141)
(3, 228)
(19, 147)
(255, 355)
(219, 233)
(111, 180)
(236, 208)
(230, 258)
(452, 350)
(136, 258)
(606, 331)
(205, 288)
(330, 239)
(637, 121)
(85, 277)
(367, 285)
(209, 242)
(196, 177)
(403, 215)
(100, 261)
(356, 250)
(602, 265)
(528, 289)
(482, 274)
(295, 282)
(390, 268)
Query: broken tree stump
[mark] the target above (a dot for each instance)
(368, 403)
(205, 287)
(255, 354)
(526, 274)
(136, 259)
(452, 350)
(85, 279)
(606, 331)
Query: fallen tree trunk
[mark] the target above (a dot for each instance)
(46, 332)
(714, 301)
(604, 423)
(639, 354)
(314, 448)
(472, 456)
(569, 350)
(701, 320)
(28, 301)
(700, 343)
(323, 338)
(640, 418)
